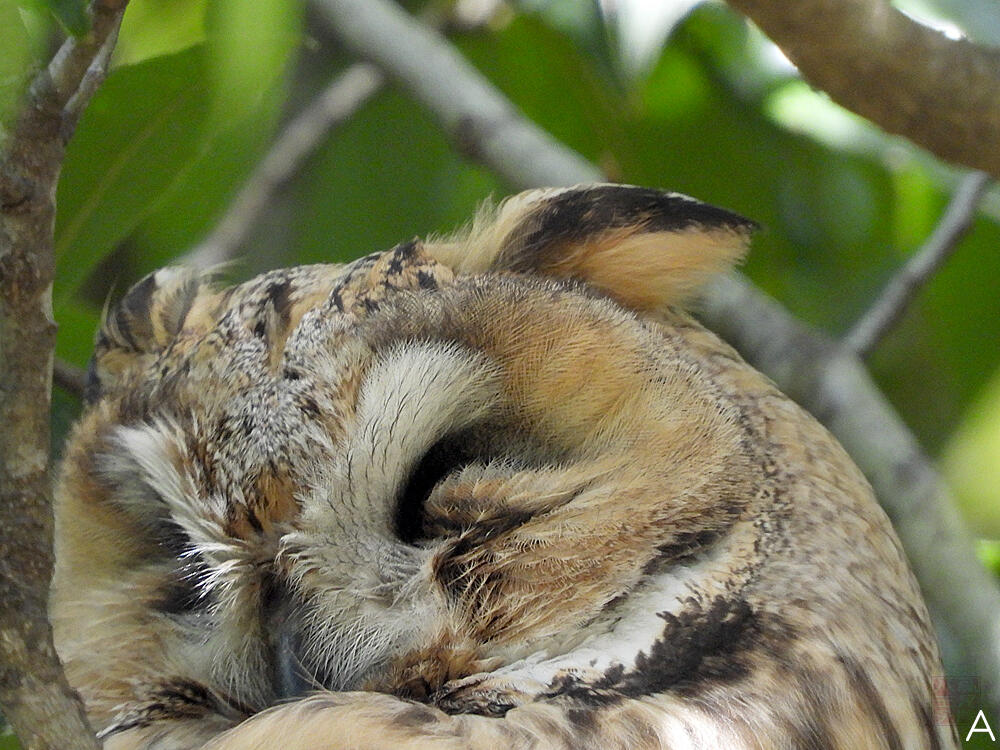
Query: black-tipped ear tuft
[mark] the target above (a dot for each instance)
(643, 247)
(580, 215)
(143, 323)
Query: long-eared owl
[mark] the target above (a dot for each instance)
(496, 490)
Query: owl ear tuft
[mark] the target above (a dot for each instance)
(645, 248)
(144, 323)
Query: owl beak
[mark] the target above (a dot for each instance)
(291, 679)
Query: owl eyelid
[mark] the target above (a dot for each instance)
(442, 459)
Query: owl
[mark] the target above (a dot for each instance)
(495, 490)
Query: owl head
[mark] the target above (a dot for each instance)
(472, 472)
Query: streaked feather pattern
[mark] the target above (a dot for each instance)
(488, 491)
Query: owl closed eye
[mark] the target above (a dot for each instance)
(494, 490)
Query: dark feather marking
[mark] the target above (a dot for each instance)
(872, 700)
(337, 299)
(395, 265)
(173, 700)
(583, 720)
(308, 405)
(700, 646)
(415, 717)
(578, 215)
(807, 727)
(172, 316)
(92, 387)
(930, 726)
(686, 544)
(688, 638)
(132, 314)
(426, 281)
(254, 520)
(150, 514)
(180, 596)
(278, 294)
(443, 458)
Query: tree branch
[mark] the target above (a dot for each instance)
(341, 98)
(942, 94)
(42, 708)
(302, 135)
(79, 66)
(70, 378)
(481, 121)
(890, 305)
(833, 384)
(830, 382)
(92, 78)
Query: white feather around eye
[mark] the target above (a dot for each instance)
(149, 481)
(415, 395)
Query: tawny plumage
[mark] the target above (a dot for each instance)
(492, 491)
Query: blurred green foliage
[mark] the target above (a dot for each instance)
(9, 742)
(199, 88)
(185, 115)
(72, 14)
(25, 31)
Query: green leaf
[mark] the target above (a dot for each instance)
(144, 128)
(968, 464)
(7, 739)
(583, 23)
(159, 27)
(188, 211)
(249, 45)
(576, 99)
(78, 323)
(386, 176)
(15, 62)
(144, 180)
(65, 411)
(71, 13)
(988, 552)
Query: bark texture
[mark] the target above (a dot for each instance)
(42, 708)
(942, 94)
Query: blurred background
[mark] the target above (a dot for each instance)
(681, 94)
